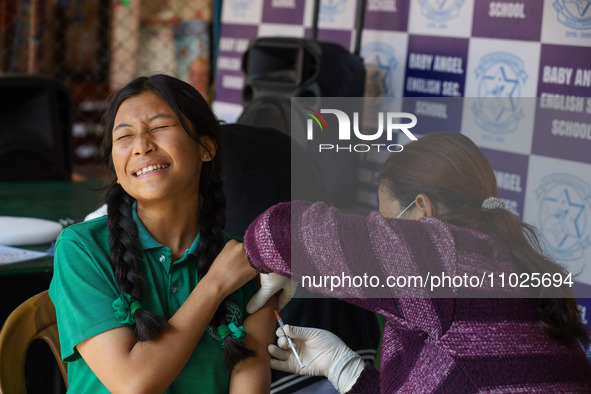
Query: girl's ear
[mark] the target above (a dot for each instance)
(208, 148)
(424, 205)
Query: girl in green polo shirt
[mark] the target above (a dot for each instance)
(152, 297)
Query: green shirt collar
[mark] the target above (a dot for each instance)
(148, 242)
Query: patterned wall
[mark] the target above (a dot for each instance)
(468, 48)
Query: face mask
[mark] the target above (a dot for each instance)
(405, 209)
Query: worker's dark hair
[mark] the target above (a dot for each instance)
(457, 177)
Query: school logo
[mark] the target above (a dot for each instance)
(575, 14)
(330, 9)
(380, 64)
(500, 76)
(241, 5)
(233, 315)
(564, 214)
(441, 10)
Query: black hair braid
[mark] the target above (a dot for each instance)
(212, 221)
(199, 122)
(124, 243)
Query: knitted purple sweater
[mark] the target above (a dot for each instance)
(445, 345)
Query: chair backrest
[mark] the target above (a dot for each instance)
(257, 165)
(33, 319)
(35, 128)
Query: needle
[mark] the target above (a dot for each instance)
(289, 341)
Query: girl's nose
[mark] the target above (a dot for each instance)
(143, 144)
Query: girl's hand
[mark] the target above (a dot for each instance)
(231, 270)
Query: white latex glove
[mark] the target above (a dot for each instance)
(270, 285)
(321, 352)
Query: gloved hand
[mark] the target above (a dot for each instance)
(321, 352)
(270, 285)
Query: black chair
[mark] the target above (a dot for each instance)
(35, 129)
(257, 173)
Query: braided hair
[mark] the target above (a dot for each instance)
(191, 109)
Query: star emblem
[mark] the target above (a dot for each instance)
(379, 72)
(582, 5)
(499, 85)
(440, 3)
(561, 217)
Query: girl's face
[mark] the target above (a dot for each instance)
(154, 157)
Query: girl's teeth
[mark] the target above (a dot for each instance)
(150, 168)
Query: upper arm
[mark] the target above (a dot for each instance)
(82, 293)
(253, 375)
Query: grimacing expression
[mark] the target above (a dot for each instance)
(153, 156)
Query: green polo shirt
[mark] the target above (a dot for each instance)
(84, 287)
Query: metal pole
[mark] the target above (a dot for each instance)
(359, 25)
(315, 19)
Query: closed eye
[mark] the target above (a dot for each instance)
(160, 127)
(122, 137)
